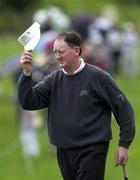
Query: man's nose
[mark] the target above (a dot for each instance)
(58, 55)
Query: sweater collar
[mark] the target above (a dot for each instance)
(82, 64)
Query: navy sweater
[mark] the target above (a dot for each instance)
(79, 107)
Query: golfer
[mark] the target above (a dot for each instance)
(80, 99)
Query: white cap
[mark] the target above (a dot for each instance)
(30, 37)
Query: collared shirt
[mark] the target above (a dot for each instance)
(79, 69)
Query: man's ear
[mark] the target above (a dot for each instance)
(77, 50)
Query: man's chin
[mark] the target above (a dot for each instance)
(61, 65)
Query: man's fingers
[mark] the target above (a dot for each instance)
(120, 161)
(26, 57)
(121, 156)
(25, 61)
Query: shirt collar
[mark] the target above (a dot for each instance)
(82, 64)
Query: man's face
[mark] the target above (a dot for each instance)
(65, 54)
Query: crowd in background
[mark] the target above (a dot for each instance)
(105, 44)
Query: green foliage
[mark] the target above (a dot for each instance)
(17, 5)
(129, 2)
(20, 12)
(16, 15)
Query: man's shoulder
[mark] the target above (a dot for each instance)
(95, 70)
(55, 74)
(97, 74)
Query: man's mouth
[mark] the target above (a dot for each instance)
(60, 61)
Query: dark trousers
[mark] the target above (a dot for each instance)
(83, 163)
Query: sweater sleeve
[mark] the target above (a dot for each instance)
(33, 97)
(114, 99)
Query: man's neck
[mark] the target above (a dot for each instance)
(78, 67)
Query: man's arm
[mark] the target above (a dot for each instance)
(31, 97)
(26, 63)
(114, 98)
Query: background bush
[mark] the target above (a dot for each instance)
(17, 14)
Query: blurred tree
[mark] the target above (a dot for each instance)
(18, 5)
(20, 13)
(129, 2)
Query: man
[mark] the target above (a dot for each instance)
(80, 98)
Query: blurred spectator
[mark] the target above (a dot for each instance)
(99, 49)
(30, 122)
(58, 19)
(114, 43)
(81, 22)
(130, 42)
(103, 24)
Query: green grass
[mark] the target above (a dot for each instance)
(12, 162)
